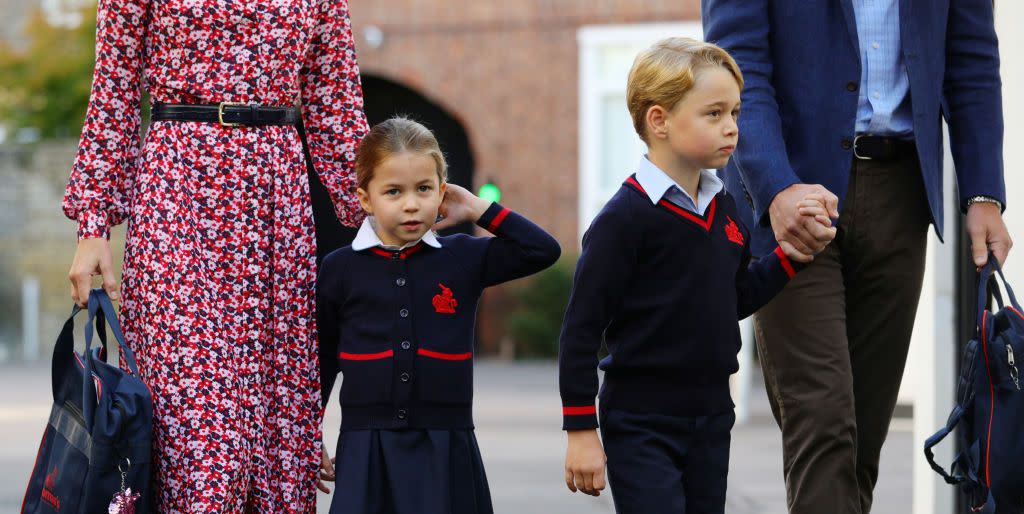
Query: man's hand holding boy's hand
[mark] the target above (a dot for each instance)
(801, 238)
(584, 462)
(813, 206)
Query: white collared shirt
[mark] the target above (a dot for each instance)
(659, 185)
(367, 238)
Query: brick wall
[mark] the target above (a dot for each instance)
(508, 72)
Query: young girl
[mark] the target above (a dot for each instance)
(397, 308)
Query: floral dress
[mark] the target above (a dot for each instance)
(219, 269)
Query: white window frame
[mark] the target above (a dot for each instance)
(592, 40)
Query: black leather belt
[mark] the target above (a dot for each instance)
(882, 148)
(227, 114)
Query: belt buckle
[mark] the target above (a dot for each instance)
(220, 114)
(855, 154)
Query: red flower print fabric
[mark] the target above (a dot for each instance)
(218, 286)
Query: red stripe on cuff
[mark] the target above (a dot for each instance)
(579, 411)
(496, 222)
(784, 261)
(445, 356)
(366, 356)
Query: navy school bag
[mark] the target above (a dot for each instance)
(989, 413)
(97, 444)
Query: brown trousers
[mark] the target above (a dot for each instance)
(834, 343)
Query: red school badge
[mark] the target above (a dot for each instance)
(48, 486)
(732, 231)
(445, 303)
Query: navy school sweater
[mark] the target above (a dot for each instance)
(664, 288)
(399, 325)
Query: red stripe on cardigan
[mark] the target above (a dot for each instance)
(444, 356)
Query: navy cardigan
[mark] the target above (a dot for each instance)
(399, 324)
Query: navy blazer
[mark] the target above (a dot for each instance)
(801, 64)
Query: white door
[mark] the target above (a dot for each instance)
(608, 146)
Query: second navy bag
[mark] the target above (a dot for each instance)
(96, 449)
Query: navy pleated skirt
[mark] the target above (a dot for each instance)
(411, 471)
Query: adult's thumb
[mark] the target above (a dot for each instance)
(110, 284)
(979, 249)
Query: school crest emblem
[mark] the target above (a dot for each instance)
(445, 302)
(733, 232)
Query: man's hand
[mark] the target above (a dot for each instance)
(800, 237)
(584, 462)
(987, 232)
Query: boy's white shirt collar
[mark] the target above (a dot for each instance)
(367, 238)
(656, 183)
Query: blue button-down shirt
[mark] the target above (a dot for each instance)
(884, 105)
(659, 185)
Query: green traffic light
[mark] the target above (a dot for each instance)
(489, 192)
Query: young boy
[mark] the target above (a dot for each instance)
(665, 274)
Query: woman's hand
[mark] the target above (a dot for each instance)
(458, 206)
(326, 470)
(92, 257)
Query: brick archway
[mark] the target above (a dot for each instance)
(384, 98)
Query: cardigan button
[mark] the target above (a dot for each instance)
(851, 86)
(405, 377)
(402, 413)
(400, 282)
(404, 313)
(406, 345)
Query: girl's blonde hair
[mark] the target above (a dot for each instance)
(392, 137)
(666, 71)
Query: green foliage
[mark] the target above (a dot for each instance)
(537, 322)
(45, 85)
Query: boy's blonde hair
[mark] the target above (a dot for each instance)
(663, 74)
(392, 137)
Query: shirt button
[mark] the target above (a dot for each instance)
(874, 44)
(877, 94)
(405, 377)
(402, 413)
(847, 143)
(851, 86)
(404, 313)
(400, 282)
(406, 345)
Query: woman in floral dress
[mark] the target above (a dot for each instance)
(219, 268)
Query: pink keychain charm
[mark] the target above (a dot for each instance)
(124, 500)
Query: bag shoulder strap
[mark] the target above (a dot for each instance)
(965, 399)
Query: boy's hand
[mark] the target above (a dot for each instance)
(584, 462)
(814, 206)
(458, 206)
(326, 470)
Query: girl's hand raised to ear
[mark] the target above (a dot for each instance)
(458, 206)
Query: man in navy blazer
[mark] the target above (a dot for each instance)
(846, 98)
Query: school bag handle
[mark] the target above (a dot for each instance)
(987, 272)
(100, 309)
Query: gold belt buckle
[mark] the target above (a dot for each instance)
(220, 114)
